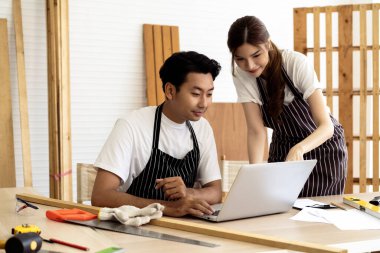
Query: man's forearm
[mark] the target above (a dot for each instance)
(113, 198)
(211, 192)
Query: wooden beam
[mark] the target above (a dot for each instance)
(368, 181)
(354, 7)
(149, 65)
(198, 228)
(329, 60)
(336, 49)
(363, 100)
(316, 51)
(22, 94)
(7, 157)
(375, 81)
(345, 85)
(158, 60)
(59, 99)
(300, 23)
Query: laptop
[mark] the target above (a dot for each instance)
(262, 189)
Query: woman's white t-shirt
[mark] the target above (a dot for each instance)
(296, 65)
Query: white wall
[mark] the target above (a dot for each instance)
(107, 61)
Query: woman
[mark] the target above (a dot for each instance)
(279, 89)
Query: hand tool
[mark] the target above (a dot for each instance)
(84, 218)
(26, 228)
(132, 230)
(24, 243)
(69, 214)
(69, 244)
(375, 201)
(25, 205)
(362, 205)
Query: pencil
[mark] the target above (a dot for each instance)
(339, 206)
(69, 244)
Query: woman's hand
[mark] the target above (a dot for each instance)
(295, 153)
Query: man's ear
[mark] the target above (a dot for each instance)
(169, 90)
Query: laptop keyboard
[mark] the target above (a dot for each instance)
(215, 213)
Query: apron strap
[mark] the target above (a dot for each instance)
(195, 142)
(157, 126)
(291, 84)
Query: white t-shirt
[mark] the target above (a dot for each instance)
(129, 146)
(296, 65)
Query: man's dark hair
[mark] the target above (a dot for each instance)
(178, 65)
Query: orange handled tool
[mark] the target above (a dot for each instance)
(62, 215)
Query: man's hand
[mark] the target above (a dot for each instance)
(187, 205)
(173, 187)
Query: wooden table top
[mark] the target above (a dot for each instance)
(278, 225)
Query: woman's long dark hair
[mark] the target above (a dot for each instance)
(252, 30)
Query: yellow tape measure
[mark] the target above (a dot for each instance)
(26, 228)
(362, 205)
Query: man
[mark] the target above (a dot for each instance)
(158, 154)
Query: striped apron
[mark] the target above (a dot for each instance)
(296, 123)
(162, 165)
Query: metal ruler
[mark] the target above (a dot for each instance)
(362, 205)
(118, 227)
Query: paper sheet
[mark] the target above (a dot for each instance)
(345, 220)
(301, 203)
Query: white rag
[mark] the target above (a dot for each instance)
(131, 215)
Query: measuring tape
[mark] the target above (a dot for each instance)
(362, 206)
(26, 228)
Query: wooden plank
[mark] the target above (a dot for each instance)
(166, 42)
(345, 85)
(56, 202)
(22, 93)
(52, 98)
(175, 38)
(299, 26)
(316, 51)
(66, 155)
(363, 101)
(375, 81)
(228, 123)
(198, 228)
(329, 63)
(160, 42)
(59, 103)
(158, 61)
(167, 51)
(7, 157)
(149, 65)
